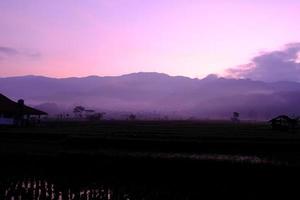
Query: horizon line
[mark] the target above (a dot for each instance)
(217, 76)
(103, 76)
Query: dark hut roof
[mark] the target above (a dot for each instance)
(10, 107)
(285, 117)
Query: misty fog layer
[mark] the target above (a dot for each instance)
(211, 97)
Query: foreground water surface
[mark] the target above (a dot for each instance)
(163, 176)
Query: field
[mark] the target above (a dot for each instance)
(141, 137)
(154, 159)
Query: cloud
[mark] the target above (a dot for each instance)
(280, 65)
(33, 55)
(8, 51)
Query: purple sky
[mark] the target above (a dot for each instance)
(62, 38)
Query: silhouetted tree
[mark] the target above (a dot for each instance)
(96, 116)
(235, 117)
(88, 113)
(78, 110)
(132, 117)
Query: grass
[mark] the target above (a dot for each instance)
(146, 137)
(153, 129)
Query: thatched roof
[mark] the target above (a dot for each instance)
(285, 117)
(8, 106)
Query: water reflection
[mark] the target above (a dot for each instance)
(133, 180)
(246, 159)
(31, 189)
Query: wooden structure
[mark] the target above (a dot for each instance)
(283, 122)
(16, 113)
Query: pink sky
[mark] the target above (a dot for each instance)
(62, 38)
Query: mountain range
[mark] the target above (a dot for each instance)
(149, 92)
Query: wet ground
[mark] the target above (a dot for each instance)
(148, 160)
(139, 178)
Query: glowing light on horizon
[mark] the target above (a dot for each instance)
(99, 37)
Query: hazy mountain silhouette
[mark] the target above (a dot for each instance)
(209, 97)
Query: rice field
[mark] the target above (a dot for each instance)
(148, 160)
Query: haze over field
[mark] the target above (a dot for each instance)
(211, 97)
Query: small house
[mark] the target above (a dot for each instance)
(16, 113)
(283, 122)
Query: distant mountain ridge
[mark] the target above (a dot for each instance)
(210, 97)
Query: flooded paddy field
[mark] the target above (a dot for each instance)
(148, 160)
(94, 177)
